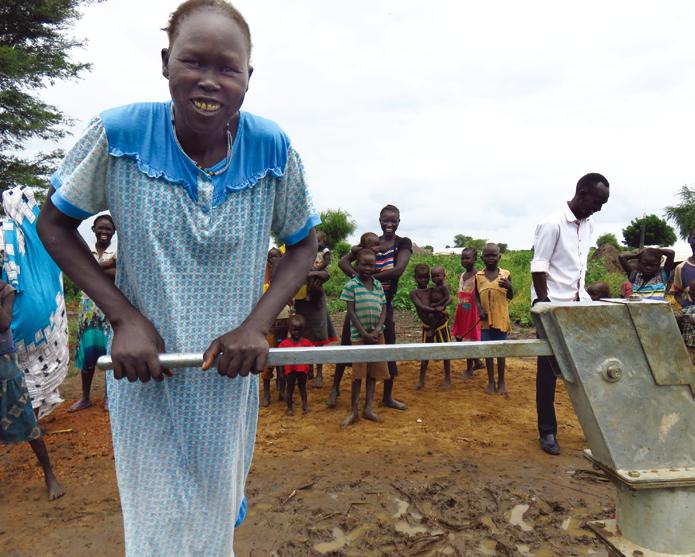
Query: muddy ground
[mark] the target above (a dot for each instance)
(458, 473)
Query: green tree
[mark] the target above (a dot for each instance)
(34, 54)
(503, 247)
(337, 225)
(461, 241)
(608, 238)
(657, 232)
(683, 214)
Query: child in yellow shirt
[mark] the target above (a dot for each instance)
(493, 290)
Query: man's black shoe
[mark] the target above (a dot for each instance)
(549, 444)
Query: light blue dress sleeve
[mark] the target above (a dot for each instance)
(293, 215)
(80, 182)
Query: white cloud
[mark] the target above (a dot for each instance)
(472, 117)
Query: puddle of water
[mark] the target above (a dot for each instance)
(404, 528)
(573, 527)
(401, 508)
(341, 539)
(516, 518)
(488, 547)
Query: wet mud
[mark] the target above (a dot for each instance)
(458, 473)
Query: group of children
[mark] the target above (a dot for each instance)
(482, 313)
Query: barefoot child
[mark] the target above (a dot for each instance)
(493, 290)
(195, 186)
(366, 308)
(648, 278)
(368, 240)
(298, 373)
(277, 333)
(430, 304)
(17, 419)
(310, 302)
(466, 319)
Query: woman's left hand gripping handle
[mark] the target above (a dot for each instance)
(241, 351)
(135, 350)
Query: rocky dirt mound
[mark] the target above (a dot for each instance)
(608, 254)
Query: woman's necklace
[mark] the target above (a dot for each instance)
(228, 156)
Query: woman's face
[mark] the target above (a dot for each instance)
(104, 231)
(207, 65)
(389, 221)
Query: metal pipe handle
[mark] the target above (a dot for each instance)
(373, 353)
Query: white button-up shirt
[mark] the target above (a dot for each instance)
(560, 250)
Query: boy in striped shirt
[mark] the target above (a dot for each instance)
(366, 308)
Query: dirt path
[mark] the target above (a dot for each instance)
(459, 473)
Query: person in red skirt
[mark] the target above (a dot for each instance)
(466, 319)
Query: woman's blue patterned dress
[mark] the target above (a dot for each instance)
(191, 254)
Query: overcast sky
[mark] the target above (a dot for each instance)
(472, 117)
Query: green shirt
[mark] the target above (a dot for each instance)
(368, 304)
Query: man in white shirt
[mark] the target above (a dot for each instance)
(560, 250)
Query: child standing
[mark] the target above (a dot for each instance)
(366, 308)
(277, 333)
(430, 303)
(493, 290)
(371, 241)
(298, 373)
(310, 302)
(17, 419)
(648, 278)
(466, 319)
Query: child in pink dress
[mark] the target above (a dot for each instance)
(466, 319)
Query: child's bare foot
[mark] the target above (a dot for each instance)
(332, 398)
(318, 382)
(490, 389)
(351, 419)
(305, 408)
(502, 389)
(265, 401)
(81, 404)
(55, 490)
(393, 403)
(289, 411)
(368, 414)
(420, 384)
(469, 373)
(446, 384)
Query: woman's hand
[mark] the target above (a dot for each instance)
(241, 351)
(135, 350)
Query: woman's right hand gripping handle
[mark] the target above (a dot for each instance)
(135, 349)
